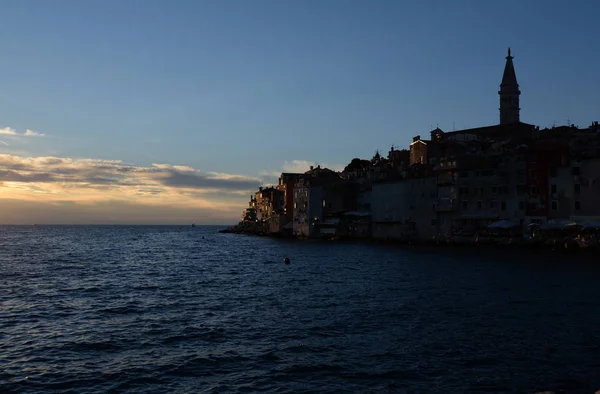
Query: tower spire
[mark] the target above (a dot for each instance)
(509, 93)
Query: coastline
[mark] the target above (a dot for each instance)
(464, 243)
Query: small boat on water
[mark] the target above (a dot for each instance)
(193, 224)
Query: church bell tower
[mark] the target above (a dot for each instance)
(509, 94)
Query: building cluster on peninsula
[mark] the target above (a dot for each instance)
(510, 177)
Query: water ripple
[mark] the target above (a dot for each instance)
(180, 309)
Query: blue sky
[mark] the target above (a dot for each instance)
(241, 87)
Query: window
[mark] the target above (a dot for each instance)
(503, 206)
(533, 174)
(577, 205)
(554, 205)
(492, 204)
(521, 189)
(465, 204)
(576, 170)
(552, 189)
(533, 190)
(521, 205)
(434, 222)
(504, 189)
(531, 206)
(502, 174)
(494, 189)
(577, 188)
(553, 172)
(479, 205)
(464, 174)
(532, 157)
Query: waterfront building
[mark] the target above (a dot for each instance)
(287, 180)
(406, 208)
(455, 181)
(321, 196)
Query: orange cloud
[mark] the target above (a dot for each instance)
(106, 187)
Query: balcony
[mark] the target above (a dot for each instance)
(445, 178)
(445, 165)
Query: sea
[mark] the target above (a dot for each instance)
(182, 309)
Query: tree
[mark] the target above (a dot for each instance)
(356, 165)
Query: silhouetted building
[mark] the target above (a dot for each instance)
(509, 94)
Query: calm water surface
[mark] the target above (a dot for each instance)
(182, 309)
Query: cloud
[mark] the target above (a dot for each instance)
(12, 132)
(8, 131)
(304, 165)
(114, 172)
(210, 181)
(31, 133)
(3, 143)
(271, 177)
(93, 181)
(296, 166)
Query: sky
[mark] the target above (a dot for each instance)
(174, 112)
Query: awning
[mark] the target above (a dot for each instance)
(475, 216)
(558, 224)
(357, 213)
(592, 226)
(505, 224)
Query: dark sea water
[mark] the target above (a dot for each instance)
(182, 309)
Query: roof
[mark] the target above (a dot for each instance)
(290, 174)
(509, 78)
(498, 128)
(421, 141)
